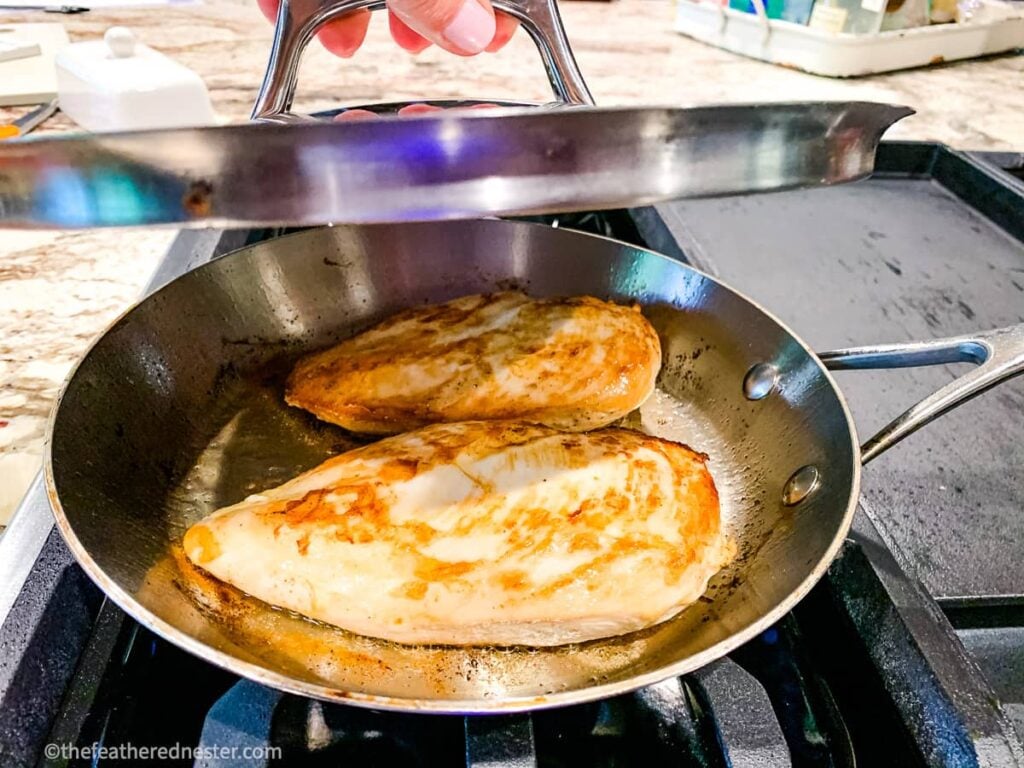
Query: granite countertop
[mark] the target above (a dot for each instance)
(59, 289)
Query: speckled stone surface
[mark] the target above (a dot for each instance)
(59, 289)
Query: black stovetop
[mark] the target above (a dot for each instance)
(871, 669)
(804, 693)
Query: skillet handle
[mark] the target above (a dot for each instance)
(999, 355)
(298, 21)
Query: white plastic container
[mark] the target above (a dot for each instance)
(11, 49)
(118, 84)
(832, 54)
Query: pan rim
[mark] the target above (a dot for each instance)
(285, 683)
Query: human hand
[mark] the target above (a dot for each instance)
(463, 27)
(410, 110)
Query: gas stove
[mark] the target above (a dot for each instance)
(910, 652)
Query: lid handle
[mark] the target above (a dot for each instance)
(120, 42)
(298, 21)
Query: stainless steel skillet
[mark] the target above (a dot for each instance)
(177, 410)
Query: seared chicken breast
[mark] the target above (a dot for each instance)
(479, 533)
(574, 364)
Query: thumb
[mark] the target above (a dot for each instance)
(465, 27)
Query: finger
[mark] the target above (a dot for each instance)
(506, 26)
(269, 8)
(405, 36)
(412, 110)
(343, 36)
(351, 115)
(465, 27)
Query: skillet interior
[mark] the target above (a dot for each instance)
(177, 410)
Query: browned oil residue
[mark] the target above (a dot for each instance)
(198, 199)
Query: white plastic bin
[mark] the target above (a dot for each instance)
(844, 55)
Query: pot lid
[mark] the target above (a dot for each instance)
(282, 170)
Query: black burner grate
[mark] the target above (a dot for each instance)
(805, 694)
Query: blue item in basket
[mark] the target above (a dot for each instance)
(774, 8)
(797, 11)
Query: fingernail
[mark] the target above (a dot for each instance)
(472, 29)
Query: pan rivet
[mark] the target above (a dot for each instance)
(760, 381)
(800, 485)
